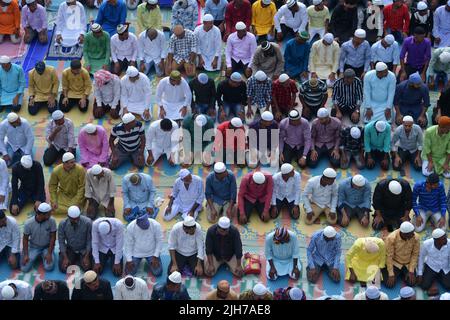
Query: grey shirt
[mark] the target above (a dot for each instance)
(411, 143)
(64, 139)
(76, 237)
(39, 233)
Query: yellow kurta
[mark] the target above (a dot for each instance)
(77, 85)
(42, 86)
(262, 18)
(366, 265)
(67, 188)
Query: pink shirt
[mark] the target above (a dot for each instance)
(251, 191)
(93, 149)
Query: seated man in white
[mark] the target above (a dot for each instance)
(162, 138)
(152, 50)
(70, 24)
(135, 94)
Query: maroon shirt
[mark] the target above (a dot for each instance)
(233, 15)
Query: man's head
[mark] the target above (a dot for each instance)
(447, 6)
(355, 133)
(58, 117)
(208, 22)
(97, 30)
(135, 179)
(415, 81)
(26, 162)
(444, 57)
(358, 181)
(318, 4)
(223, 226)
(260, 76)
(287, 170)
(3, 219)
(236, 123)
(432, 181)
(241, 29)
(408, 123)
(189, 225)
(129, 282)
(235, 79)
(407, 293)
(302, 37)
(151, 4)
(267, 49)
(43, 212)
(422, 8)
(68, 161)
(112, 2)
(104, 227)
(40, 67)
(220, 170)
(295, 118)
(9, 291)
(443, 125)
(73, 213)
(359, 37)
(371, 246)
(266, 119)
(328, 177)
(419, 34)
(406, 230)
(186, 176)
(122, 31)
(323, 115)
(381, 69)
(388, 41)
(75, 66)
(31, 4)
(91, 280)
(265, 3)
(97, 171)
(397, 4)
(129, 121)
(223, 289)
(292, 5)
(281, 235)
(202, 78)
(350, 4)
(380, 126)
(13, 119)
(373, 293)
(90, 129)
(166, 125)
(260, 291)
(71, 2)
(49, 287)
(395, 187)
(5, 62)
(440, 237)
(178, 31)
(142, 220)
(152, 33)
(329, 233)
(349, 76)
(173, 283)
(328, 39)
(132, 73)
(175, 78)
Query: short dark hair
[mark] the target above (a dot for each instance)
(419, 30)
(166, 124)
(75, 64)
(2, 214)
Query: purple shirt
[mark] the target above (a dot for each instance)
(326, 134)
(240, 49)
(36, 20)
(417, 54)
(295, 136)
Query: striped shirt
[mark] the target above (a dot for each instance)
(314, 96)
(129, 140)
(349, 96)
(434, 200)
(320, 251)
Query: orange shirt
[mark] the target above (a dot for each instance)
(10, 18)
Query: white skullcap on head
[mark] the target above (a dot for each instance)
(283, 77)
(203, 78)
(295, 293)
(132, 71)
(208, 18)
(260, 75)
(67, 156)
(437, 233)
(259, 289)
(445, 296)
(448, 2)
(152, 1)
(90, 128)
(395, 187)
(128, 117)
(372, 292)
(220, 167)
(224, 222)
(104, 227)
(175, 277)
(286, 168)
(184, 173)
(445, 57)
(389, 39)
(201, 120)
(360, 33)
(408, 119)
(422, 5)
(95, 27)
(44, 207)
(355, 133)
(323, 113)
(12, 117)
(381, 66)
(358, 180)
(236, 122)
(259, 177)
(316, 2)
(329, 232)
(96, 169)
(294, 115)
(121, 28)
(267, 116)
(189, 221)
(236, 77)
(290, 3)
(73, 212)
(371, 246)
(57, 115)
(329, 38)
(266, 1)
(26, 161)
(406, 227)
(8, 292)
(329, 173)
(407, 292)
(240, 26)
(29, 1)
(5, 59)
(89, 276)
(380, 126)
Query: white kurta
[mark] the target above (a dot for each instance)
(173, 98)
(70, 23)
(152, 50)
(4, 184)
(127, 49)
(184, 198)
(162, 142)
(209, 46)
(135, 96)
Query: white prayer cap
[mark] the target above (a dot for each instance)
(377, 3)
(422, 5)
(224, 222)
(7, 1)
(89, 276)
(381, 66)
(12, 117)
(175, 277)
(96, 169)
(73, 212)
(408, 119)
(316, 2)
(329, 38)
(201, 120)
(283, 77)
(380, 126)
(260, 75)
(67, 156)
(121, 28)
(445, 57)
(5, 59)
(389, 39)
(360, 33)
(95, 27)
(329, 173)
(329, 232)
(290, 3)
(445, 296)
(29, 1)
(132, 71)
(294, 115)
(448, 3)
(57, 115)
(189, 221)
(236, 122)
(266, 1)
(184, 173)
(104, 227)
(355, 133)
(395, 187)
(407, 292)
(371, 246)
(44, 207)
(236, 77)
(240, 26)
(259, 177)
(286, 168)
(295, 293)
(437, 233)
(8, 292)
(358, 180)
(90, 128)
(152, 1)
(220, 167)
(259, 289)
(26, 161)
(128, 117)
(208, 18)
(323, 113)
(203, 78)
(267, 116)
(372, 292)
(406, 227)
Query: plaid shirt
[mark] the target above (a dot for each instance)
(348, 143)
(283, 294)
(283, 94)
(182, 48)
(260, 93)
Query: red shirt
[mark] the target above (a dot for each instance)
(251, 191)
(283, 94)
(233, 15)
(396, 19)
(223, 128)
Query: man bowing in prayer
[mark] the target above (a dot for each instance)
(135, 93)
(436, 148)
(17, 133)
(93, 144)
(12, 84)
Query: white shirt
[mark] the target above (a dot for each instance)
(291, 189)
(109, 93)
(296, 22)
(436, 259)
(20, 137)
(141, 243)
(124, 49)
(152, 50)
(24, 291)
(112, 241)
(164, 141)
(208, 43)
(173, 98)
(71, 18)
(185, 244)
(362, 296)
(321, 196)
(184, 198)
(139, 291)
(10, 235)
(135, 96)
(4, 179)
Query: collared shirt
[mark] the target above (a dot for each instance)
(39, 233)
(221, 190)
(209, 43)
(97, 51)
(136, 96)
(388, 203)
(390, 54)
(229, 94)
(324, 59)
(36, 20)
(185, 244)
(126, 49)
(234, 14)
(379, 93)
(41, 86)
(100, 189)
(317, 18)
(65, 138)
(110, 15)
(10, 18)
(348, 95)
(326, 134)
(282, 251)
(182, 48)
(290, 189)
(396, 19)
(217, 10)
(344, 21)
(416, 54)
(203, 93)
(152, 50)
(112, 241)
(435, 144)
(259, 92)
(24, 290)
(252, 192)
(295, 136)
(436, 260)
(130, 141)
(270, 133)
(67, 187)
(284, 94)
(62, 292)
(187, 197)
(436, 64)
(223, 247)
(147, 19)
(441, 26)
(405, 96)
(434, 200)
(20, 137)
(365, 264)
(4, 177)
(320, 251)
(238, 135)
(240, 49)
(167, 93)
(322, 196)
(185, 16)
(355, 56)
(401, 252)
(157, 139)
(314, 97)
(262, 17)
(374, 140)
(141, 195)
(271, 65)
(354, 197)
(109, 93)
(140, 243)
(296, 21)
(103, 292)
(77, 236)
(348, 143)
(411, 142)
(31, 182)
(77, 85)
(93, 148)
(296, 57)
(199, 137)
(67, 15)
(10, 235)
(139, 291)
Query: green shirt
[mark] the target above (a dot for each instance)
(438, 146)
(189, 123)
(374, 140)
(147, 19)
(435, 63)
(96, 51)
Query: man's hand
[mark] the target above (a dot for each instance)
(411, 278)
(445, 167)
(430, 166)
(154, 262)
(296, 272)
(403, 75)
(314, 155)
(419, 221)
(88, 68)
(228, 72)
(302, 161)
(272, 273)
(312, 274)
(15, 101)
(2, 198)
(201, 62)
(59, 38)
(81, 39)
(51, 101)
(149, 211)
(335, 274)
(198, 271)
(279, 36)
(437, 40)
(338, 114)
(345, 220)
(12, 260)
(365, 221)
(214, 63)
(65, 262)
(370, 161)
(110, 209)
(49, 258)
(83, 103)
(242, 218)
(387, 114)
(86, 262)
(397, 161)
(353, 277)
(25, 259)
(129, 265)
(441, 222)
(142, 66)
(6, 158)
(249, 112)
(150, 159)
(378, 219)
(162, 113)
(117, 268)
(65, 101)
(214, 213)
(174, 267)
(146, 114)
(168, 210)
(309, 215)
(368, 114)
(418, 160)
(390, 281)
(97, 268)
(422, 120)
(126, 211)
(355, 116)
(335, 154)
(54, 205)
(15, 209)
(183, 111)
(229, 211)
(117, 67)
(266, 216)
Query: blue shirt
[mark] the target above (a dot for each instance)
(434, 200)
(355, 57)
(354, 197)
(282, 251)
(296, 57)
(410, 97)
(221, 190)
(216, 10)
(109, 16)
(386, 55)
(322, 252)
(12, 83)
(374, 140)
(141, 195)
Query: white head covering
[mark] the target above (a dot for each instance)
(260, 75)
(259, 177)
(259, 289)
(286, 168)
(201, 120)
(26, 161)
(95, 27)
(291, 3)
(267, 116)
(445, 57)
(189, 221)
(358, 180)
(240, 26)
(104, 227)
(406, 227)
(329, 38)
(184, 173)
(236, 122)
(360, 33)
(295, 293)
(389, 39)
(12, 117)
(355, 133)
(329, 232)
(395, 187)
(329, 173)
(407, 292)
(437, 233)
(67, 156)
(266, 1)
(422, 5)
(96, 169)
(5, 59)
(203, 78)
(381, 66)
(283, 77)
(175, 277)
(445, 296)
(236, 77)
(380, 126)
(89, 276)
(316, 2)
(57, 115)
(44, 207)
(408, 119)
(208, 18)
(29, 1)
(73, 212)
(294, 115)
(90, 128)
(371, 246)
(128, 117)
(132, 71)
(224, 222)
(323, 113)
(152, 1)
(220, 167)
(121, 28)
(8, 292)
(372, 292)
(448, 2)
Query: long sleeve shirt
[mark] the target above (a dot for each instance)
(72, 18)
(139, 291)
(262, 17)
(354, 197)
(181, 49)
(109, 16)
(78, 237)
(348, 95)
(223, 247)
(152, 50)
(434, 144)
(436, 65)
(295, 136)
(326, 134)
(185, 15)
(101, 189)
(266, 137)
(10, 18)
(221, 190)
(42, 86)
(363, 263)
(103, 292)
(97, 51)
(253, 192)
(355, 56)
(289, 190)
(209, 43)
(109, 93)
(168, 93)
(12, 83)
(233, 15)
(238, 135)
(259, 92)
(65, 138)
(157, 139)
(374, 140)
(10, 235)
(24, 290)
(396, 19)
(20, 137)
(4, 177)
(406, 97)
(126, 49)
(343, 22)
(389, 54)
(441, 27)
(296, 21)
(186, 198)
(296, 57)
(324, 59)
(217, 10)
(141, 195)
(240, 49)
(411, 142)
(434, 200)
(379, 93)
(416, 54)
(436, 260)
(31, 182)
(388, 203)
(282, 251)
(321, 251)
(36, 20)
(400, 253)
(350, 144)
(272, 66)
(229, 94)
(147, 19)
(203, 93)
(322, 196)
(77, 85)
(93, 149)
(141, 243)
(67, 186)
(197, 139)
(185, 244)
(136, 96)
(112, 241)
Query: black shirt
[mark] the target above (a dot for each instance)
(392, 206)
(62, 292)
(229, 94)
(343, 23)
(31, 182)
(103, 292)
(443, 103)
(203, 93)
(223, 247)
